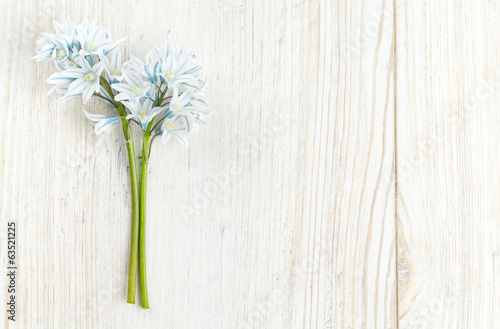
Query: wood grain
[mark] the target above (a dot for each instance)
(281, 214)
(447, 148)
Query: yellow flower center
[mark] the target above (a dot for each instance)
(170, 126)
(170, 75)
(115, 72)
(89, 77)
(143, 114)
(177, 106)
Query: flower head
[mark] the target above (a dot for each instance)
(71, 42)
(189, 103)
(93, 39)
(162, 92)
(143, 110)
(165, 86)
(177, 127)
(113, 67)
(132, 87)
(86, 81)
(180, 71)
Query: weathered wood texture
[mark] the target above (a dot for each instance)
(281, 214)
(448, 124)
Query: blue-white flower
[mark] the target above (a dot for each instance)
(179, 104)
(113, 67)
(71, 42)
(180, 71)
(132, 87)
(143, 110)
(102, 123)
(151, 71)
(57, 46)
(148, 69)
(58, 49)
(174, 126)
(189, 103)
(93, 39)
(53, 47)
(86, 81)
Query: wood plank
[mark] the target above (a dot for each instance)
(279, 215)
(448, 124)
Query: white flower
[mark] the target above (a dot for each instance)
(86, 81)
(57, 48)
(151, 72)
(66, 47)
(149, 69)
(93, 39)
(179, 104)
(102, 123)
(132, 87)
(113, 68)
(177, 127)
(53, 47)
(190, 103)
(144, 111)
(180, 71)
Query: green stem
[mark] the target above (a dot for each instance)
(134, 238)
(134, 186)
(142, 221)
(142, 207)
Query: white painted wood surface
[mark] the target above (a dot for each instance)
(448, 126)
(285, 211)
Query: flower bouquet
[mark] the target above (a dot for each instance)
(162, 95)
